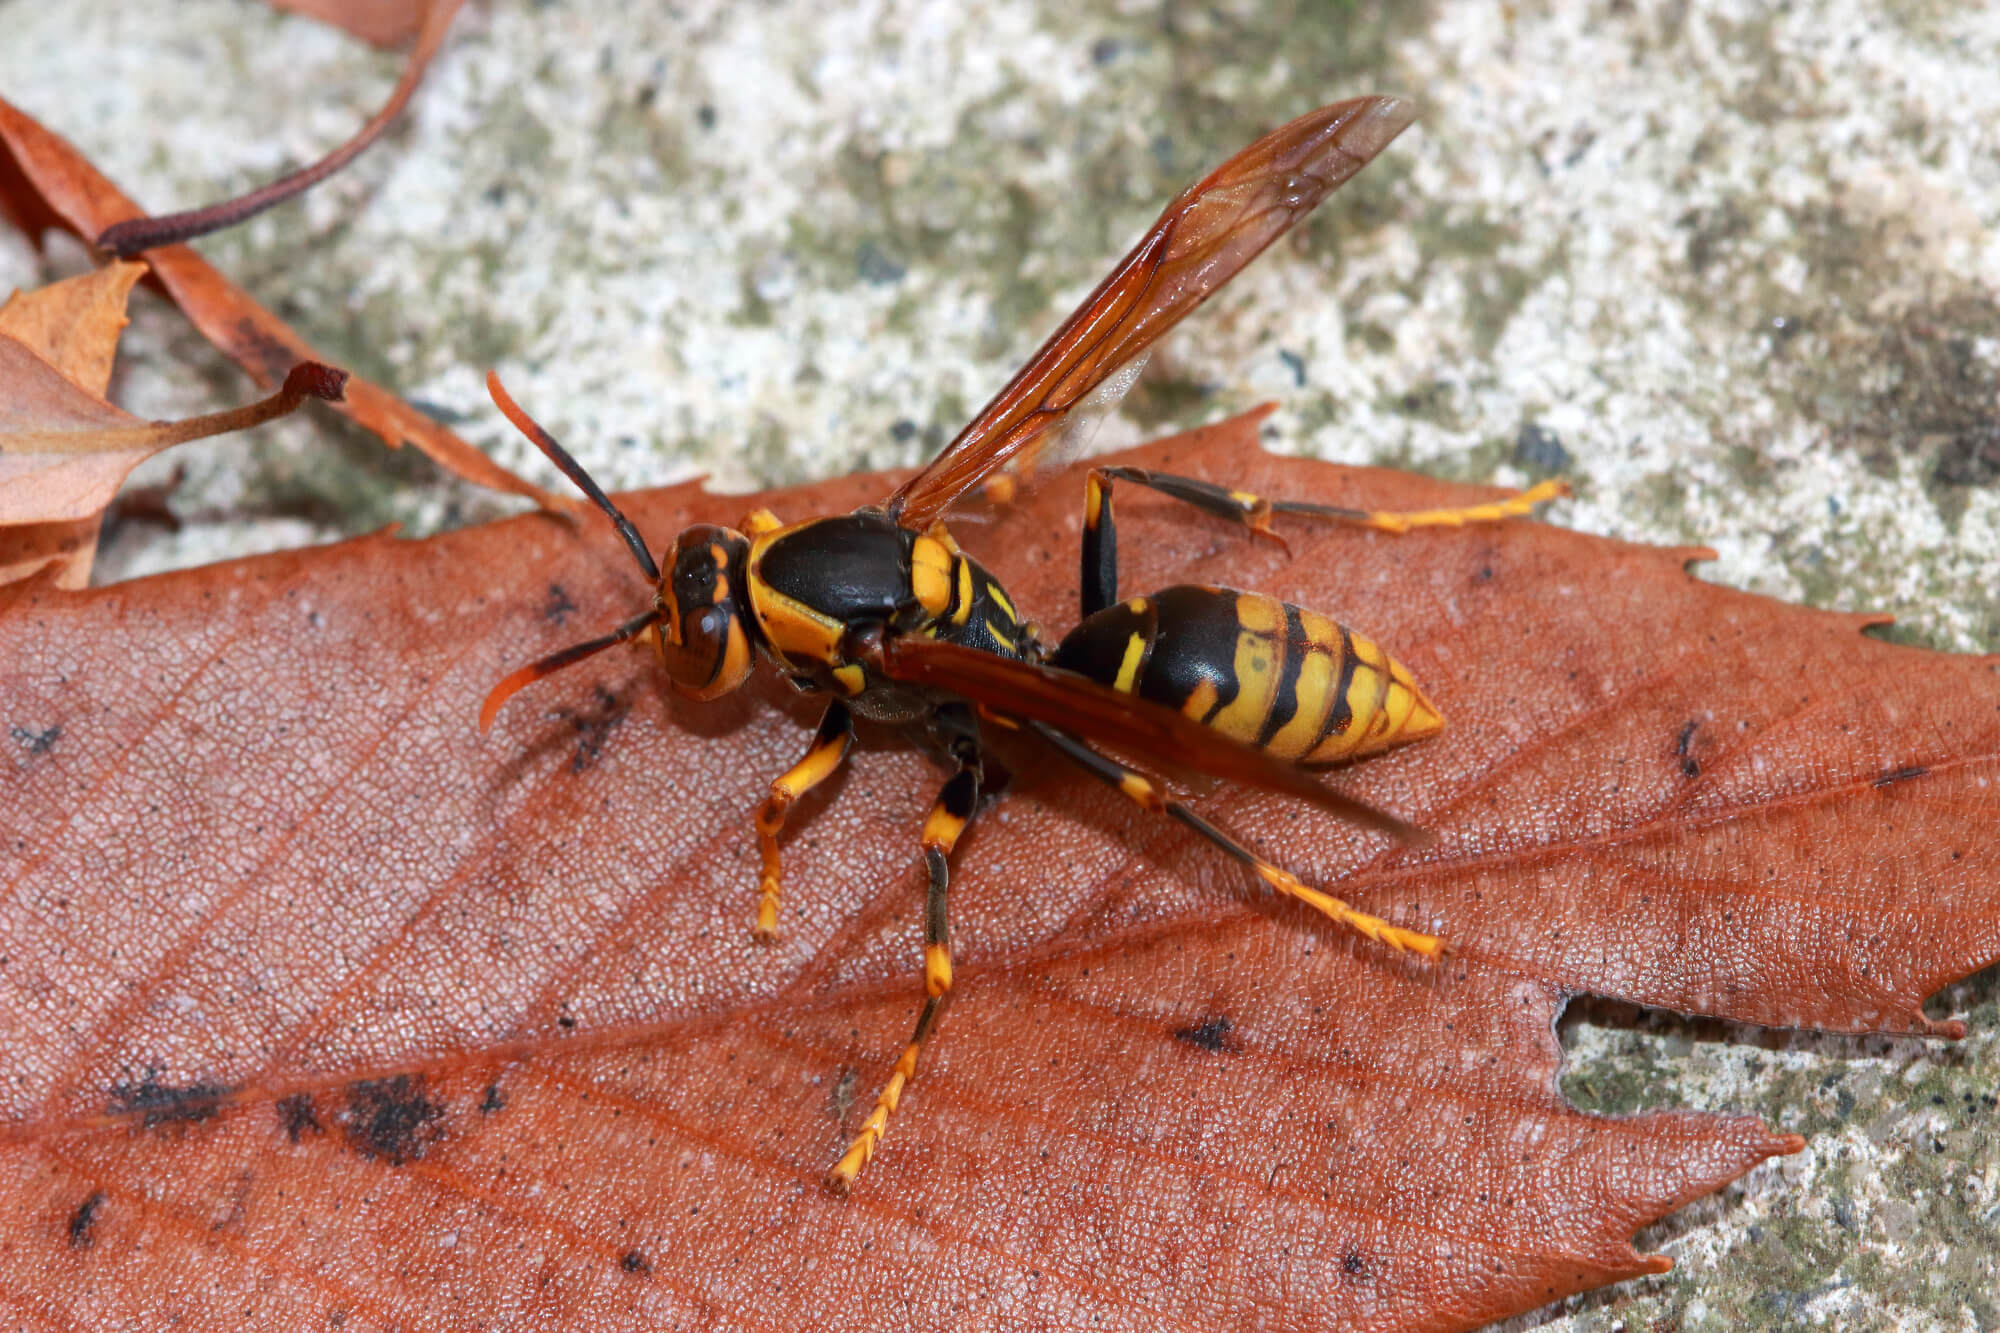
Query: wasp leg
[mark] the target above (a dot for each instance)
(1100, 544)
(829, 748)
(948, 818)
(1143, 791)
(1254, 511)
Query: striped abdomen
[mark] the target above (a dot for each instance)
(1257, 669)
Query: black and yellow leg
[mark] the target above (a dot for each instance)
(948, 818)
(829, 748)
(1254, 511)
(1100, 543)
(1143, 791)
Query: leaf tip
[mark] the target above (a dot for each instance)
(1690, 556)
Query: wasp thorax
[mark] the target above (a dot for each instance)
(703, 642)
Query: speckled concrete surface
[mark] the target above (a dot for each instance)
(1732, 269)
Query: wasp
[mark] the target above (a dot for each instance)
(882, 614)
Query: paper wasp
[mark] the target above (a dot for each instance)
(880, 611)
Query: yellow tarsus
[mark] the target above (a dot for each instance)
(769, 820)
(1370, 927)
(841, 1178)
(1514, 506)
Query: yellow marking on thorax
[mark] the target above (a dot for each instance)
(1000, 638)
(1200, 699)
(853, 677)
(942, 536)
(1128, 665)
(1257, 665)
(930, 574)
(758, 522)
(798, 635)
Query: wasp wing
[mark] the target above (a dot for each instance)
(1203, 239)
(1018, 691)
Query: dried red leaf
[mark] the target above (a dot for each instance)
(45, 181)
(315, 992)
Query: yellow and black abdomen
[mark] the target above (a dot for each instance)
(1256, 669)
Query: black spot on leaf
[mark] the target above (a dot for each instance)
(298, 1117)
(158, 1103)
(392, 1118)
(83, 1220)
(1684, 748)
(556, 607)
(594, 727)
(1210, 1034)
(37, 741)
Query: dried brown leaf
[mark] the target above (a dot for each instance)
(64, 551)
(319, 1006)
(74, 324)
(45, 181)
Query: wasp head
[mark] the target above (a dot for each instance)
(704, 637)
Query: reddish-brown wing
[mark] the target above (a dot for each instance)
(1202, 241)
(1028, 692)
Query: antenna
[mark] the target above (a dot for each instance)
(572, 469)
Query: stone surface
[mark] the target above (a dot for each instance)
(1732, 269)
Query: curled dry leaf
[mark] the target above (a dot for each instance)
(317, 1003)
(74, 326)
(45, 182)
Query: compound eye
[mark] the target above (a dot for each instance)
(707, 633)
